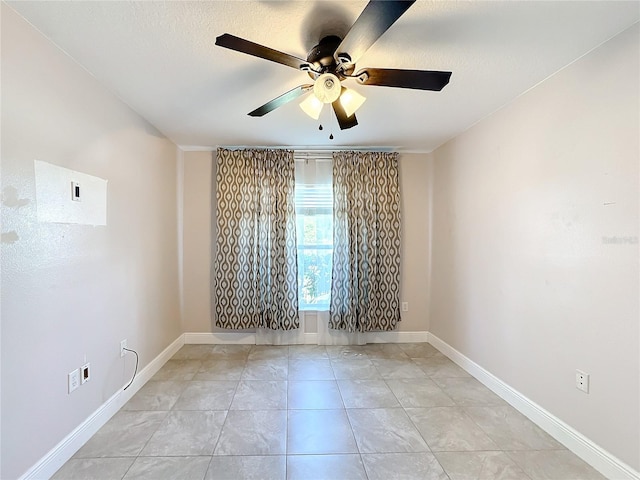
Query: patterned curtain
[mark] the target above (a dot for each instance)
(256, 268)
(365, 287)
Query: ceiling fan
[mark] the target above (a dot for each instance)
(333, 60)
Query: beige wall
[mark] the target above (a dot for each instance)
(526, 280)
(197, 241)
(72, 292)
(415, 171)
(414, 177)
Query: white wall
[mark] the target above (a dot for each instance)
(527, 281)
(72, 292)
(414, 178)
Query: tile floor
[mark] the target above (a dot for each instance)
(379, 411)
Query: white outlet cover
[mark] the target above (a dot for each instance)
(75, 191)
(582, 381)
(74, 380)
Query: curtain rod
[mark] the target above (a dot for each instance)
(401, 150)
(315, 150)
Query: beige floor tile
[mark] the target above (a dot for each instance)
(193, 352)
(367, 394)
(253, 432)
(511, 430)
(314, 395)
(440, 366)
(123, 436)
(385, 350)
(325, 467)
(397, 368)
(418, 350)
(156, 396)
(449, 429)
(468, 392)
(554, 465)
(343, 352)
(419, 392)
(258, 395)
(178, 370)
(319, 432)
(405, 466)
(186, 433)
(206, 395)
(212, 369)
(358, 368)
(310, 369)
(247, 467)
(230, 352)
(168, 468)
(266, 369)
(480, 466)
(268, 352)
(317, 352)
(94, 468)
(385, 430)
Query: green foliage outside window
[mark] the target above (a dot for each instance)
(314, 259)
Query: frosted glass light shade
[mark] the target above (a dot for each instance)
(312, 106)
(351, 101)
(327, 88)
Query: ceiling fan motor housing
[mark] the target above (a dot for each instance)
(321, 57)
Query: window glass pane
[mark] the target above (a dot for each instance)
(314, 204)
(315, 277)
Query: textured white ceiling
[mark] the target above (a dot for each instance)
(160, 58)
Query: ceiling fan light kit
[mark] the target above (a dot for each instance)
(312, 106)
(333, 61)
(327, 88)
(351, 101)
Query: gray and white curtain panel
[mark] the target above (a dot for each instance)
(365, 287)
(255, 268)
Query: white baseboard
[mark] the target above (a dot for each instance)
(594, 455)
(308, 338)
(63, 451)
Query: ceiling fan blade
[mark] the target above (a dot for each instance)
(390, 77)
(281, 100)
(245, 46)
(343, 120)
(375, 19)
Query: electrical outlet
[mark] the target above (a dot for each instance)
(123, 345)
(405, 306)
(582, 381)
(75, 191)
(85, 375)
(73, 380)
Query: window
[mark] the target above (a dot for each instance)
(314, 217)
